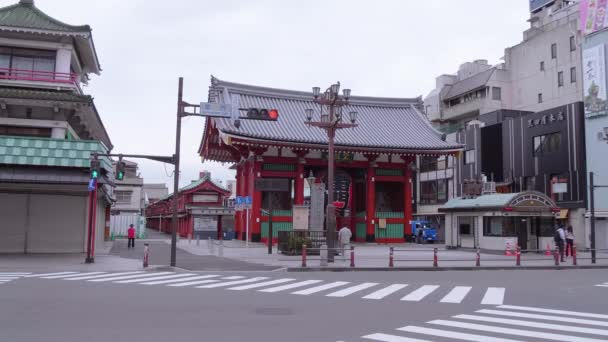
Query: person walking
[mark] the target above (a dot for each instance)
(131, 236)
(344, 236)
(569, 241)
(560, 240)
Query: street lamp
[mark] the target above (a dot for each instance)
(330, 109)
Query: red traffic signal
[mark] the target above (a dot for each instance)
(262, 114)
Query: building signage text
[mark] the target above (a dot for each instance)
(546, 119)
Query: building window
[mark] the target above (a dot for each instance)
(496, 93)
(573, 75)
(469, 157)
(25, 60)
(540, 97)
(547, 143)
(542, 66)
(572, 43)
(554, 51)
(123, 197)
(428, 164)
(499, 226)
(560, 79)
(434, 192)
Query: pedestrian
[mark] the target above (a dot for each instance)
(569, 241)
(560, 240)
(344, 236)
(419, 232)
(131, 236)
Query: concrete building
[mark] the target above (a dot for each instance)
(521, 123)
(154, 192)
(48, 130)
(129, 206)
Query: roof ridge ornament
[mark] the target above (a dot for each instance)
(27, 2)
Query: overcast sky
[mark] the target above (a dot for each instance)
(376, 48)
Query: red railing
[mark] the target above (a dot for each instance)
(38, 76)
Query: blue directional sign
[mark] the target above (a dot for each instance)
(238, 203)
(91, 186)
(247, 201)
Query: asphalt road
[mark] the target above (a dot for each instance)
(37, 309)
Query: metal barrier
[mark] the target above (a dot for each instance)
(322, 252)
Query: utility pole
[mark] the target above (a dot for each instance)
(178, 132)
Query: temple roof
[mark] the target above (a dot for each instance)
(25, 15)
(384, 123)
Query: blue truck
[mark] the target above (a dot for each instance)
(429, 234)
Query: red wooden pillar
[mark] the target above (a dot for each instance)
(407, 196)
(353, 208)
(238, 216)
(220, 233)
(371, 204)
(255, 229)
(299, 184)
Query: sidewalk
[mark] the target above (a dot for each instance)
(376, 257)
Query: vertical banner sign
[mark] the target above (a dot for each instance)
(594, 81)
(593, 15)
(317, 206)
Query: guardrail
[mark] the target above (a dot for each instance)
(323, 251)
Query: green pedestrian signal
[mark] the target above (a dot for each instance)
(95, 165)
(120, 170)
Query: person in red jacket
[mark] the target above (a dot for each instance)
(131, 236)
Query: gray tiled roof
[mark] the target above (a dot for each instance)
(469, 84)
(25, 15)
(384, 123)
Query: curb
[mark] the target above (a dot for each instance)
(455, 268)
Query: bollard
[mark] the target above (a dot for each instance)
(435, 263)
(198, 240)
(556, 257)
(303, 255)
(323, 255)
(212, 249)
(478, 259)
(352, 256)
(518, 256)
(220, 249)
(574, 255)
(146, 254)
(189, 238)
(390, 258)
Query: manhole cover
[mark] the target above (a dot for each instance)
(273, 311)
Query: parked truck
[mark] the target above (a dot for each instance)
(429, 233)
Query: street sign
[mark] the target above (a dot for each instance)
(238, 203)
(247, 202)
(272, 184)
(91, 186)
(217, 110)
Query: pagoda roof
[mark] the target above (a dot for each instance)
(392, 125)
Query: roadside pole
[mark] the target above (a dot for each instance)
(247, 228)
(178, 133)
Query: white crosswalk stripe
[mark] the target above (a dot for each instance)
(7, 277)
(492, 326)
(230, 283)
(291, 286)
(494, 296)
(139, 280)
(48, 274)
(263, 284)
(385, 291)
(191, 283)
(81, 277)
(180, 280)
(420, 293)
(141, 275)
(456, 295)
(602, 285)
(320, 288)
(350, 290)
(71, 275)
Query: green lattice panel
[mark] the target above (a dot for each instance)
(278, 167)
(361, 214)
(389, 172)
(360, 231)
(276, 228)
(277, 212)
(392, 231)
(389, 214)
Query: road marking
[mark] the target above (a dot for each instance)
(48, 274)
(494, 296)
(420, 293)
(350, 290)
(560, 312)
(454, 334)
(602, 285)
(456, 295)
(100, 276)
(392, 338)
(71, 275)
(180, 279)
(171, 276)
(320, 288)
(266, 283)
(568, 328)
(233, 277)
(290, 286)
(544, 317)
(10, 277)
(15, 273)
(194, 283)
(141, 275)
(244, 281)
(509, 331)
(385, 291)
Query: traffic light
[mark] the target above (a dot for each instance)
(262, 114)
(95, 166)
(120, 171)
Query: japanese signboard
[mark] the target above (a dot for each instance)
(594, 81)
(593, 15)
(300, 217)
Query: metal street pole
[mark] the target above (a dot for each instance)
(330, 220)
(592, 206)
(178, 132)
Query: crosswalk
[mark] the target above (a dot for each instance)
(7, 277)
(368, 291)
(505, 323)
(604, 285)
